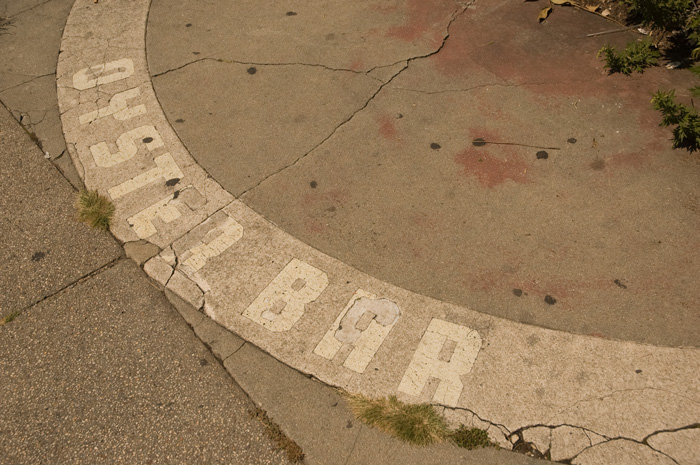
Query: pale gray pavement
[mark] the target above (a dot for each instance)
(98, 367)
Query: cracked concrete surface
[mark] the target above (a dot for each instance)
(28, 81)
(537, 224)
(597, 397)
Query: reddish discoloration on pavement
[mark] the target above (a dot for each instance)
(387, 127)
(490, 170)
(423, 18)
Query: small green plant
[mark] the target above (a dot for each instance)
(636, 57)
(94, 209)
(414, 423)
(9, 317)
(686, 134)
(471, 438)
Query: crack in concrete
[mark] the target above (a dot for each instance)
(408, 61)
(75, 282)
(252, 63)
(672, 430)
(30, 8)
(34, 78)
(354, 444)
(586, 431)
(617, 391)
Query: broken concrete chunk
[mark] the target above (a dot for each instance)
(186, 289)
(568, 442)
(539, 436)
(683, 446)
(497, 436)
(157, 269)
(168, 256)
(141, 251)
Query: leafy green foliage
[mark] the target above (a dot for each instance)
(94, 209)
(667, 15)
(694, 35)
(636, 57)
(471, 438)
(686, 134)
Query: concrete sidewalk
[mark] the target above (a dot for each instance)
(96, 365)
(103, 355)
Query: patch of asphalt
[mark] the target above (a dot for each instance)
(42, 246)
(106, 371)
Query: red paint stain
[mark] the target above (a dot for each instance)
(492, 171)
(387, 127)
(422, 18)
(633, 159)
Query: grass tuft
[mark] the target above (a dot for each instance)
(414, 423)
(294, 452)
(5, 23)
(94, 209)
(9, 317)
(471, 438)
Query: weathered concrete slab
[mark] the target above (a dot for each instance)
(29, 51)
(335, 34)
(326, 318)
(279, 115)
(43, 248)
(105, 90)
(401, 192)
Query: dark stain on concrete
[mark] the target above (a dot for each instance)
(598, 164)
(542, 155)
(176, 194)
(478, 142)
(517, 292)
(435, 146)
(571, 140)
(146, 140)
(291, 13)
(252, 70)
(550, 300)
(620, 284)
(179, 120)
(172, 182)
(313, 184)
(38, 256)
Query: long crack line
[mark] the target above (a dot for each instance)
(407, 62)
